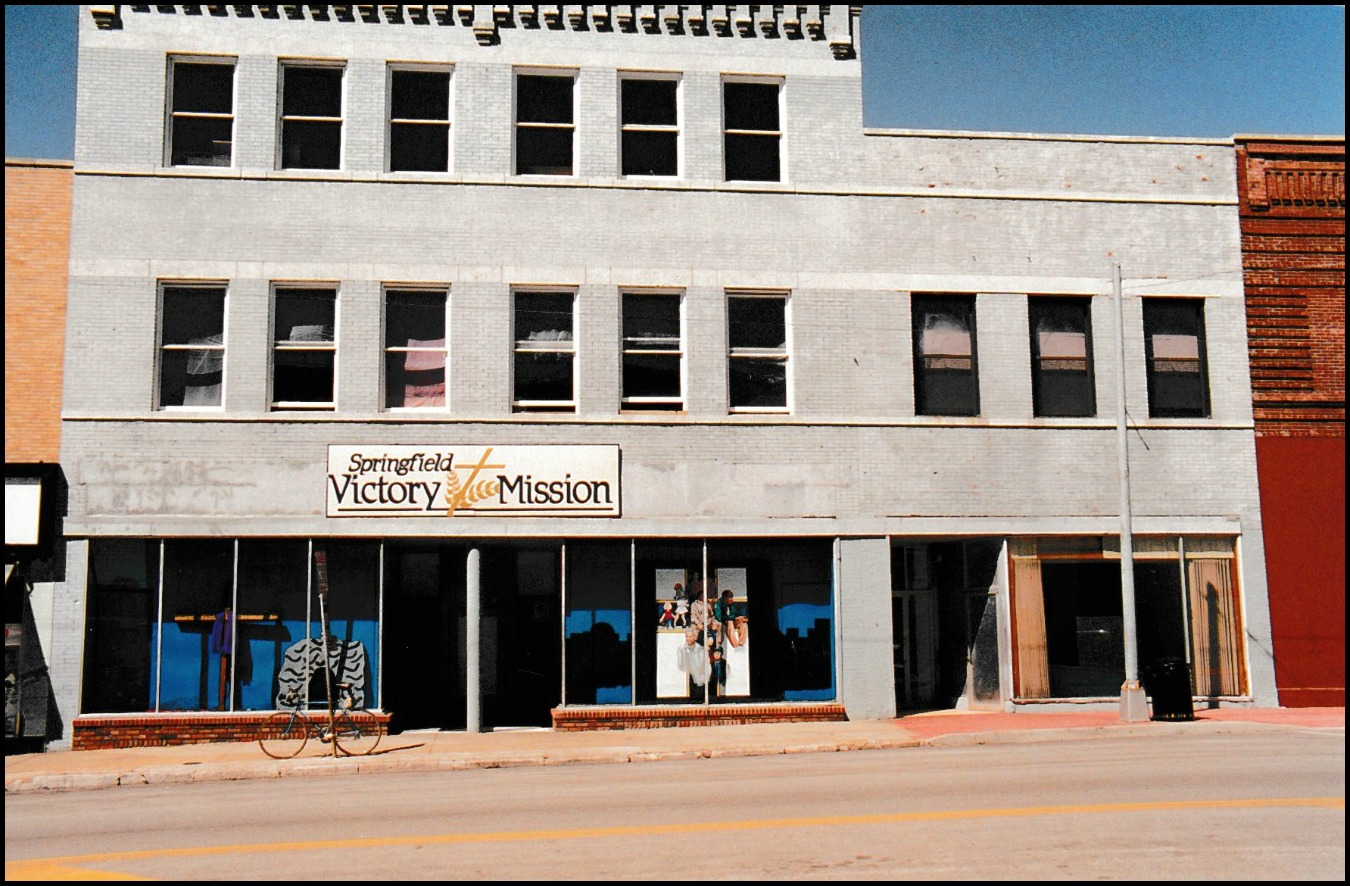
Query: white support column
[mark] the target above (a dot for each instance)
(472, 630)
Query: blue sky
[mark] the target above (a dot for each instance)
(1203, 71)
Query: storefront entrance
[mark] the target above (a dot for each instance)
(425, 635)
(944, 623)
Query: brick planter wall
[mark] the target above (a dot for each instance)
(580, 719)
(92, 733)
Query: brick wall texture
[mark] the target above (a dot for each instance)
(1292, 216)
(37, 251)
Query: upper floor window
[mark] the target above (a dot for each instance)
(311, 116)
(653, 352)
(945, 372)
(544, 124)
(419, 120)
(191, 344)
(201, 112)
(414, 348)
(752, 132)
(1174, 349)
(304, 353)
(544, 378)
(1061, 356)
(757, 352)
(649, 112)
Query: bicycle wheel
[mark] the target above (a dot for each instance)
(283, 734)
(357, 732)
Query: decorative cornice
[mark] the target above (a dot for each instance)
(835, 26)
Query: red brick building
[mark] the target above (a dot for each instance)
(37, 250)
(1292, 213)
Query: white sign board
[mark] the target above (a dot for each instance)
(461, 481)
(23, 510)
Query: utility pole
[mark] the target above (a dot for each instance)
(1133, 702)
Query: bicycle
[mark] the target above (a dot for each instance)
(354, 732)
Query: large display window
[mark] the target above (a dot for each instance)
(1069, 631)
(225, 625)
(698, 607)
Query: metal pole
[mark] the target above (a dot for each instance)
(321, 570)
(472, 636)
(1133, 702)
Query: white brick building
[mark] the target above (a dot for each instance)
(862, 379)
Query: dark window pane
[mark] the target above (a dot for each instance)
(651, 322)
(312, 92)
(304, 315)
(119, 638)
(757, 323)
(420, 95)
(545, 377)
(1174, 343)
(543, 151)
(752, 158)
(191, 377)
(201, 141)
(751, 105)
(413, 317)
(543, 316)
(1061, 357)
(650, 153)
(945, 379)
(649, 102)
(311, 145)
(203, 88)
(542, 99)
(193, 316)
(419, 147)
(758, 383)
(303, 376)
(651, 375)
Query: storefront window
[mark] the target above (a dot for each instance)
(670, 666)
(119, 640)
(599, 624)
(352, 608)
(697, 648)
(272, 617)
(196, 642)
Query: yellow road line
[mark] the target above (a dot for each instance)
(31, 868)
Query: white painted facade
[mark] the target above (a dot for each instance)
(859, 222)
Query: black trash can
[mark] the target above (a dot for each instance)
(1168, 682)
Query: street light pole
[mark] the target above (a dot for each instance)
(1133, 702)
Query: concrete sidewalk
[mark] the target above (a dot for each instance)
(440, 751)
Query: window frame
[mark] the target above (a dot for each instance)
(287, 64)
(302, 346)
(1202, 410)
(388, 350)
(1038, 369)
(674, 129)
(653, 404)
(782, 355)
(163, 288)
(728, 133)
(518, 125)
(173, 115)
(561, 347)
(923, 376)
(393, 124)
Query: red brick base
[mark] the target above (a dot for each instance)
(579, 719)
(100, 732)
